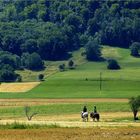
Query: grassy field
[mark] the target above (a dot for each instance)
(61, 109)
(123, 83)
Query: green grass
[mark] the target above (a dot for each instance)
(59, 109)
(16, 125)
(123, 83)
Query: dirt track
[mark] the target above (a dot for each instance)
(21, 102)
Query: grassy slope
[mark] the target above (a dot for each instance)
(72, 84)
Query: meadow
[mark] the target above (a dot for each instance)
(84, 80)
(7, 112)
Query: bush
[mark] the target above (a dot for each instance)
(41, 77)
(113, 64)
(62, 67)
(71, 64)
(19, 78)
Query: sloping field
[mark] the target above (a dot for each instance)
(17, 87)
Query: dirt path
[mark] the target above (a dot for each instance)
(21, 102)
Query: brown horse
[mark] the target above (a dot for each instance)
(95, 116)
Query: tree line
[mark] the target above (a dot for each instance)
(38, 30)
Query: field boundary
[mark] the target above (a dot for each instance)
(21, 102)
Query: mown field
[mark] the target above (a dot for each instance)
(72, 134)
(84, 80)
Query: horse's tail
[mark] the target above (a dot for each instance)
(98, 116)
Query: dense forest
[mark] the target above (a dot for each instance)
(32, 31)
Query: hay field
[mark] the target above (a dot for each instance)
(17, 87)
(72, 134)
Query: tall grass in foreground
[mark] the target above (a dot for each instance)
(16, 125)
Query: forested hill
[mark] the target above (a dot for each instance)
(49, 29)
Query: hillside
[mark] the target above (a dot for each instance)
(50, 30)
(84, 80)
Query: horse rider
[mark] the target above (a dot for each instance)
(95, 110)
(84, 109)
(84, 113)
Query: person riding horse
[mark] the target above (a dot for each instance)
(84, 114)
(95, 110)
(84, 109)
(95, 115)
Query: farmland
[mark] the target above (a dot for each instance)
(60, 98)
(72, 134)
(84, 80)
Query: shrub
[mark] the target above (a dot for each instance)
(113, 64)
(71, 64)
(19, 78)
(62, 67)
(41, 77)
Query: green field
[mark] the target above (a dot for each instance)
(60, 109)
(123, 83)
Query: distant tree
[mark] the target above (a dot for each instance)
(71, 64)
(135, 106)
(93, 51)
(93, 5)
(41, 77)
(93, 26)
(32, 61)
(134, 48)
(113, 64)
(31, 11)
(10, 59)
(29, 46)
(75, 21)
(7, 74)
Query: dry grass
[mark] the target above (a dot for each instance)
(109, 52)
(74, 120)
(17, 87)
(22, 102)
(72, 134)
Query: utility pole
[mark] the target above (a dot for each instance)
(100, 81)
